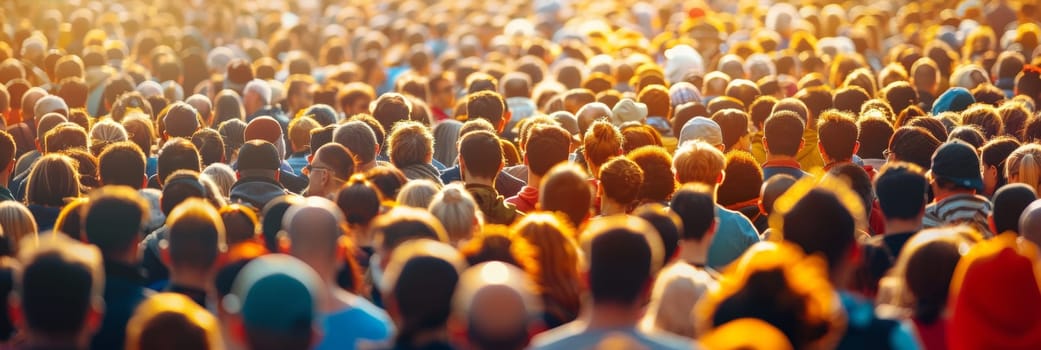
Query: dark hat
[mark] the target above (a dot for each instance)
(182, 120)
(957, 161)
(258, 155)
(240, 72)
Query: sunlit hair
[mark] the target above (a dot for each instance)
(17, 224)
(602, 141)
(676, 290)
(172, 321)
(458, 212)
(417, 193)
(410, 143)
(698, 161)
(543, 244)
(52, 179)
(1024, 166)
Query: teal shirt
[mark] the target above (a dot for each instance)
(734, 234)
(5, 194)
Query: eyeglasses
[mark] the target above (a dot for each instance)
(309, 168)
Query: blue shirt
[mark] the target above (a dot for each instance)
(361, 323)
(734, 234)
(577, 335)
(297, 161)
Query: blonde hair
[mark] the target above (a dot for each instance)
(417, 193)
(602, 142)
(17, 223)
(1024, 165)
(104, 133)
(170, 318)
(698, 161)
(457, 210)
(675, 292)
(52, 180)
(221, 175)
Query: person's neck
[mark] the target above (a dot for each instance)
(770, 157)
(361, 236)
(367, 166)
(191, 278)
(903, 225)
(5, 178)
(613, 315)
(34, 339)
(942, 194)
(533, 180)
(474, 180)
(693, 252)
(430, 336)
(610, 207)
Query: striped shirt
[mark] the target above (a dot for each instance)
(963, 208)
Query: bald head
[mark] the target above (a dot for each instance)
(314, 227)
(1030, 222)
(29, 99)
(497, 303)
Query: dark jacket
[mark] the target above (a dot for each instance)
(421, 172)
(293, 182)
(505, 184)
(124, 290)
(494, 206)
(256, 191)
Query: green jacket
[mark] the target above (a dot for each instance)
(494, 206)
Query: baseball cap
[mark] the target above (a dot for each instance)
(263, 128)
(50, 103)
(701, 128)
(275, 293)
(628, 110)
(957, 161)
(258, 155)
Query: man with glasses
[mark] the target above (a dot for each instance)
(332, 165)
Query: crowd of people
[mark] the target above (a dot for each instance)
(548, 174)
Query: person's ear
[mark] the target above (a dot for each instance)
(238, 175)
(721, 177)
(766, 145)
(144, 181)
(990, 224)
(506, 116)
(820, 148)
(802, 143)
(237, 329)
(95, 314)
(278, 175)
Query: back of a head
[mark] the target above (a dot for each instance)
(402, 224)
(488, 105)
(902, 190)
(1009, 203)
(170, 321)
(338, 158)
(697, 161)
(547, 146)
(874, 134)
(391, 108)
(457, 210)
(177, 154)
(734, 125)
(417, 193)
(113, 219)
(410, 143)
(782, 133)
(696, 207)
(122, 163)
(602, 141)
(1024, 165)
(314, 228)
(481, 154)
(277, 298)
(743, 179)
(915, 145)
(984, 116)
(59, 283)
(838, 134)
(8, 149)
(359, 200)
(210, 146)
(623, 255)
(620, 180)
(182, 120)
(52, 179)
(820, 223)
(196, 235)
(359, 139)
(565, 189)
(497, 301)
(420, 280)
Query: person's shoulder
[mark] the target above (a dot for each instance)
(568, 336)
(736, 219)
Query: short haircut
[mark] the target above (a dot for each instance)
(141, 132)
(374, 125)
(792, 105)
(387, 179)
(782, 133)
(171, 320)
(359, 138)
(820, 223)
(734, 125)
(546, 146)
(620, 180)
(696, 207)
(698, 161)
(65, 136)
(565, 189)
(74, 91)
(300, 132)
(177, 154)
(195, 236)
(668, 224)
(743, 179)
(774, 188)
(7, 150)
(1009, 203)
(874, 134)
(359, 200)
(659, 180)
(339, 159)
(657, 99)
(182, 184)
(487, 105)
(52, 179)
(760, 109)
(984, 116)
(850, 98)
(838, 134)
(410, 143)
(481, 153)
(390, 109)
(602, 142)
(623, 253)
(914, 144)
(60, 281)
(122, 163)
(971, 134)
(113, 219)
(322, 136)
(900, 95)
(210, 146)
(402, 224)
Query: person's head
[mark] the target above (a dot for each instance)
(210, 146)
(360, 202)
(122, 163)
(700, 162)
(782, 133)
(695, 205)
(52, 180)
(315, 228)
(257, 158)
(602, 142)
(850, 99)
(821, 219)
(300, 133)
(733, 123)
(196, 237)
(497, 312)
(113, 219)
(227, 105)
(914, 145)
(140, 131)
(391, 108)
(458, 212)
(480, 156)
(676, 290)
(955, 168)
(57, 294)
(900, 95)
(18, 225)
(417, 193)
(182, 120)
(387, 179)
(902, 191)
(446, 137)
(274, 304)
(873, 137)
(332, 165)
(620, 182)
(565, 189)
(838, 135)
(743, 180)
(994, 155)
(986, 117)
(354, 98)
(546, 146)
(8, 151)
(359, 138)
(65, 136)
(544, 245)
(1009, 204)
(1024, 166)
(177, 154)
(623, 254)
(418, 285)
(488, 105)
(659, 180)
(410, 143)
(169, 321)
(105, 133)
(255, 96)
